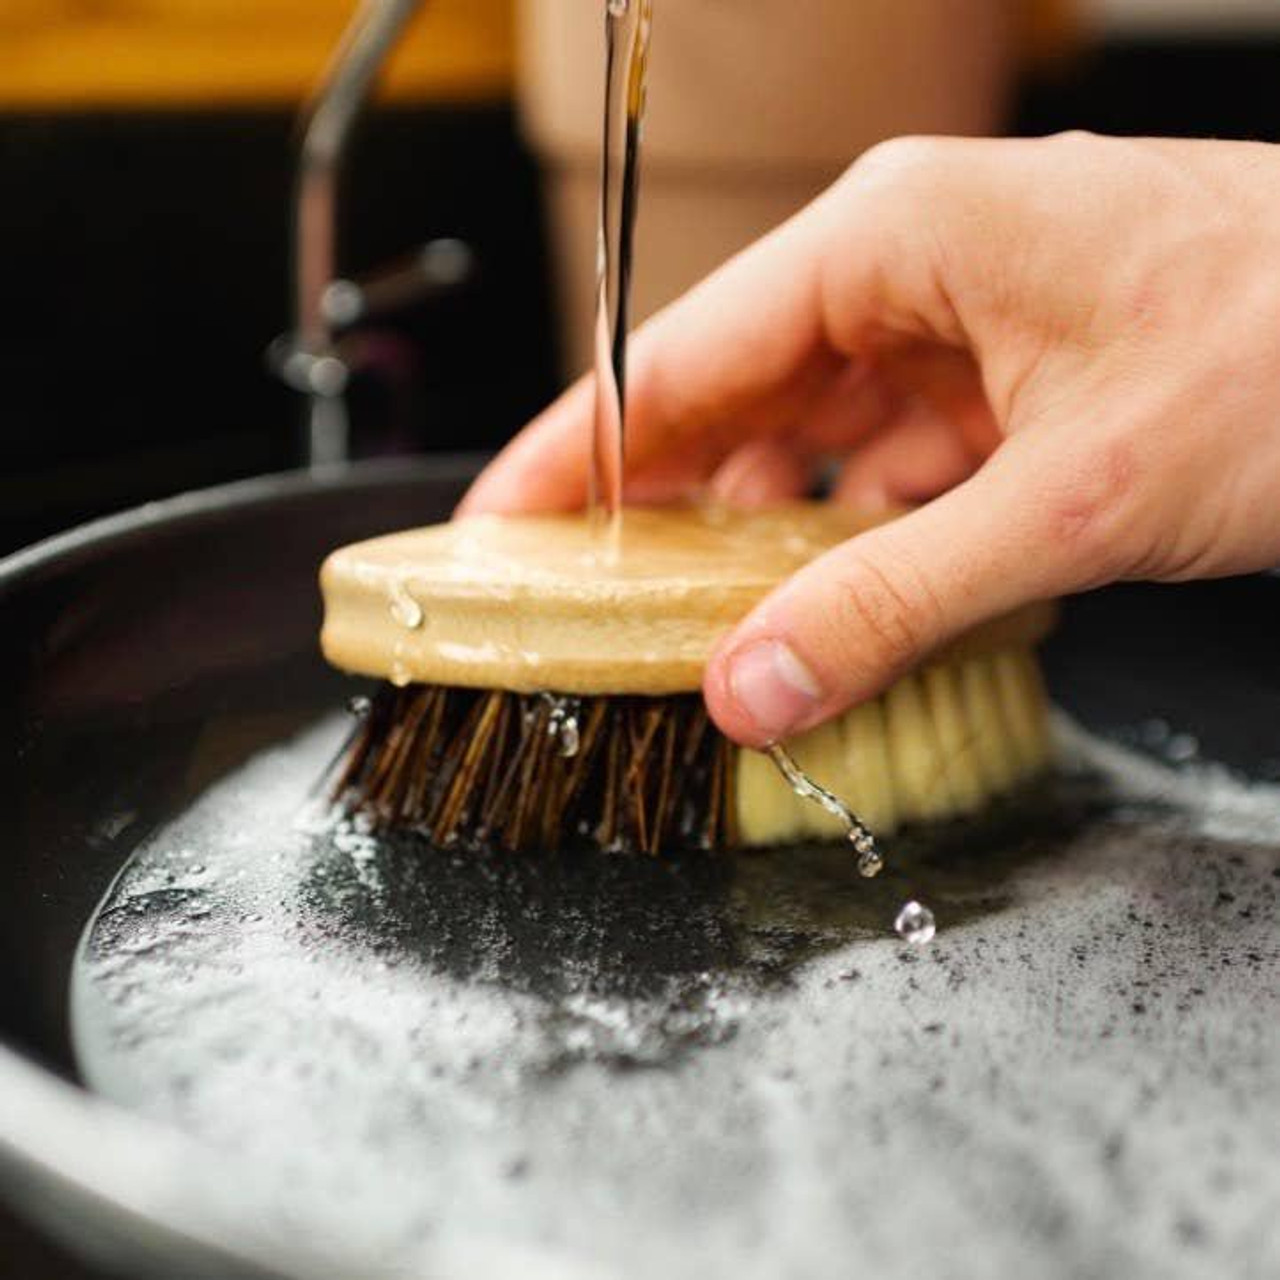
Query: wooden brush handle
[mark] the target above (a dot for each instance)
(528, 603)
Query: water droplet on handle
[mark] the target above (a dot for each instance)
(915, 924)
(404, 608)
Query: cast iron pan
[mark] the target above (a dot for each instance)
(1078, 1077)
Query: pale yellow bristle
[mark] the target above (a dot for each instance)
(961, 770)
(820, 753)
(768, 810)
(940, 743)
(992, 746)
(1024, 705)
(919, 772)
(866, 752)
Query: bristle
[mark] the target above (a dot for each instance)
(961, 772)
(767, 808)
(484, 768)
(820, 753)
(653, 775)
(725, 830)
(941, 743)
(866, 747)
(992, 746)
(915, 753)
(1024, 705)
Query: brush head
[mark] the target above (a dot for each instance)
(530, 603)
(548, 687)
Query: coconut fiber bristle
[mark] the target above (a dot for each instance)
(487, 768)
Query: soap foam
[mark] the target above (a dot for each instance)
(434, 1064)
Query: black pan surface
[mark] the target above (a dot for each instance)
(151, 657)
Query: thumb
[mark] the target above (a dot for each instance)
(847, 625)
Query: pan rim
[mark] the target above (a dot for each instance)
(62, 550)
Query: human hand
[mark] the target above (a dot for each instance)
(1065, 349)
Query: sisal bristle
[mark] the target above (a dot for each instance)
(1024, 705)
(866, 747)
(915, 753)
(962, 774)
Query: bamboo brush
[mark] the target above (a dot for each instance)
(541, 691)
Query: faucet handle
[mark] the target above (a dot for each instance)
(439, 267)
(435, 270)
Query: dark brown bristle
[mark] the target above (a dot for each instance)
(485, 769)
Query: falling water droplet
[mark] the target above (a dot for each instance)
(915, 924)
(359, 707)
(870, 859)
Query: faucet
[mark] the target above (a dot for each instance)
(310, 359)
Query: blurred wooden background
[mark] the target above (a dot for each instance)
(137, 53)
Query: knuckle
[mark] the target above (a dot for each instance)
(1076, 138)
(904, 159)
(1091, 508)
(1102, 154)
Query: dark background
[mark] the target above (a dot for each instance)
(144, 264)
(144, 260)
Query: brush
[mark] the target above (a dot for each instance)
(541, 688)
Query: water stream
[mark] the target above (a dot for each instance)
(628, 24)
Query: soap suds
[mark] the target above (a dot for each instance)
(613, 1067)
